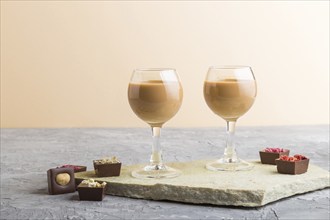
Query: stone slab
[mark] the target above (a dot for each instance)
(253, 188)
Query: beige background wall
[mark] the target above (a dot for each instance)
(67, 64)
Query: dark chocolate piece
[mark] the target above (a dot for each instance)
(292, 167)
(107, 169)
(77, 182)
(80, 169)
(91, 193)
(270, 157)
(64, 176)
(76, 168)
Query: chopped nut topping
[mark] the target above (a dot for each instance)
(108, 160)
(92, 183)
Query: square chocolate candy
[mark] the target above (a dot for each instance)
(91, 193)
(270, 157)
(61, 180)
(292, 167)
(76, 168)
(107, 169)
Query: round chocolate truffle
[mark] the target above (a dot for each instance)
(62, 179)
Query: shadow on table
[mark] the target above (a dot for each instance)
(41, 191)
(75, 197)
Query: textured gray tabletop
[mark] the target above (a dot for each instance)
(26, 155)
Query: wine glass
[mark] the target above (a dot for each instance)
(155, 96)
(229, 91)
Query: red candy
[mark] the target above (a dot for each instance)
(300, 157)
(274, 150)
(72, 166)
(296, 157)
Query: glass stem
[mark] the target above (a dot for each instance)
(156, 159)
(230, 155)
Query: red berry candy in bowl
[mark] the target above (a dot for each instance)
(269, 155)
(297, 164)
(76, 168)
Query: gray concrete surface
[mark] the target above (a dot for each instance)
(26, 155)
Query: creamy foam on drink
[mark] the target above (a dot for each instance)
(230, 98)
(155, 101)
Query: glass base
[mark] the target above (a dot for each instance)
(223, 165)
(156, 172)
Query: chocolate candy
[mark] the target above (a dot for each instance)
(297, 164)
(269, 157)
(107, 167)
(292, 167)
(92, 191)
(61, 180)
(76, 168)
(107, 170)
